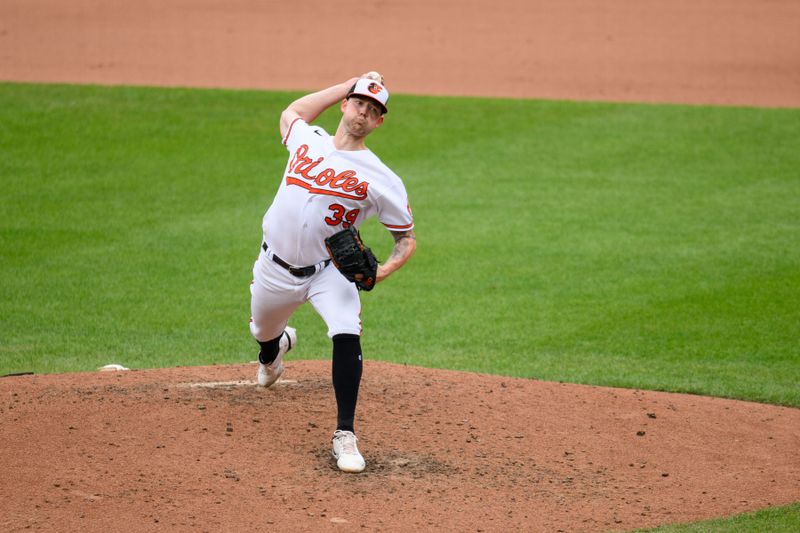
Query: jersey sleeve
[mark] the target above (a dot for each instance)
(394, 209)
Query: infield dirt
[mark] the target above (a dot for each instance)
(202, 449)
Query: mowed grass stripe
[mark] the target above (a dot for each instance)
(628, 245)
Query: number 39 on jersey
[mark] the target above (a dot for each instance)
(340, 214)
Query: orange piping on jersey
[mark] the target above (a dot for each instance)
(407, 226)
(285, 139)
(314, 190)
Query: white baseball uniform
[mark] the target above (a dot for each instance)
(323, 191)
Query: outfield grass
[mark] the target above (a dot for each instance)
(627, 245)
(642, 246)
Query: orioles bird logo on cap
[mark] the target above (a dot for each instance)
(374, 88)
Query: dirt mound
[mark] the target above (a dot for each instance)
(203, 449)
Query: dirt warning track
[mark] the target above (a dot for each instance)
(740, 52)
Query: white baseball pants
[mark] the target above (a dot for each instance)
(276, 294)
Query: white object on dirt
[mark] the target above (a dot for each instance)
(112, 368)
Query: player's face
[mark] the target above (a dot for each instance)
(361, 115)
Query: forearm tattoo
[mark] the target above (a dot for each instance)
(402, 241)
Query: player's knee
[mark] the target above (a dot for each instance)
(346, 337)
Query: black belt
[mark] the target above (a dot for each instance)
(300, 272)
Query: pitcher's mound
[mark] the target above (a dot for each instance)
(203, 449)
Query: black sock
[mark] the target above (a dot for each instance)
(269, 350)
(347, 367)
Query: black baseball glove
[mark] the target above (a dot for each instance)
(351, 257)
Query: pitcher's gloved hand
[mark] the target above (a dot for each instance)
(355, 261)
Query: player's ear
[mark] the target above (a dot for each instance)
(380, 121)
(343, 105)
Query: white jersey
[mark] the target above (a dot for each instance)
(324, 190)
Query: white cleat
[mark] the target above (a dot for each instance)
(345, 451)
(269, 374)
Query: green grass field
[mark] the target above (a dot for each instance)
(643, 246)
(774, 520)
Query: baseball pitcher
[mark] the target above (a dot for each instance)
(311, 249)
